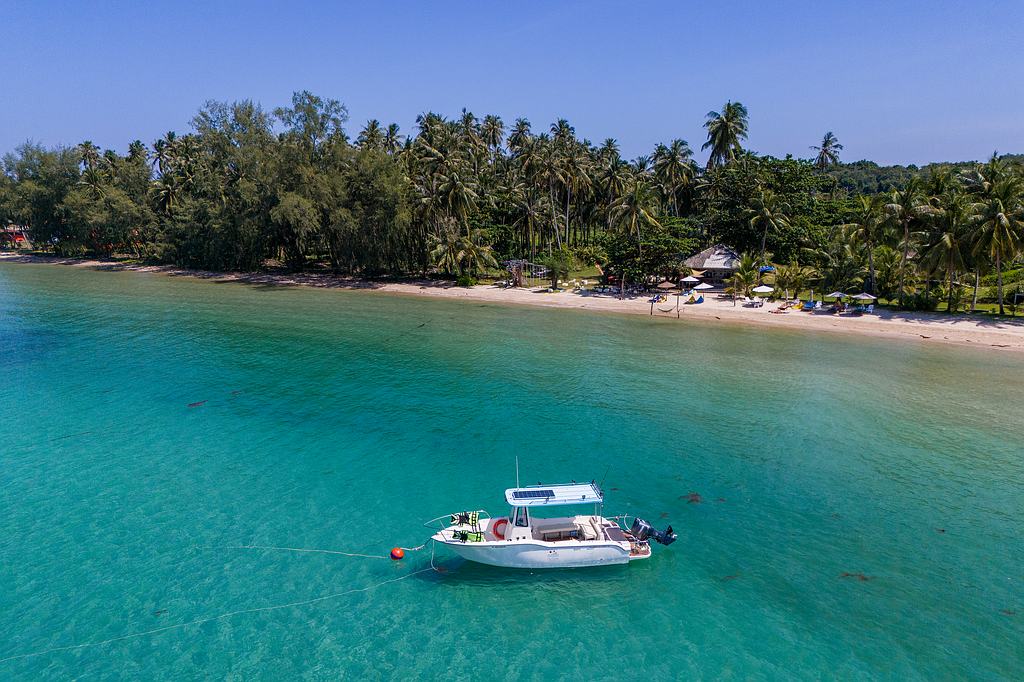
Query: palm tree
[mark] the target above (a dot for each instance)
(904, 208)
(473, 255)
(612, 182)
(999, 225)
(986, 175)
(947, 247)
(745, 277)
(392, 140)
(635, 209)
(868, 228)
(89, 154)
(673, 169)
(725, 131)
(609, 151)
(372, 136)
(793, 276)
(444, 251)
(519, 136)
(842, 267)
(493, 132)
(768, 213)
(828, 151)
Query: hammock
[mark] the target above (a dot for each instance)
(666, 310)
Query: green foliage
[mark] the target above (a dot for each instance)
(466, 281)
(589, 255)
(559, 264)
(247, 189)
(731, 195)
(927, 301)
(745, 278)
(635, 258)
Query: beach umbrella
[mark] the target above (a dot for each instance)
(667, 285)
(763, 289)
(864, 296)
(690, 278)
(703, 285)
(837, 294)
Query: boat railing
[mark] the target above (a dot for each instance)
(483, 514)
(623, 518)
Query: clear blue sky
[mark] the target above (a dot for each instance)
(898, 81)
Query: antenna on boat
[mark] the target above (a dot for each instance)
(517, 471)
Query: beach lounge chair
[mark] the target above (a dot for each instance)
(870, 308)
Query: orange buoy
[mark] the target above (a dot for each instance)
(397, 553)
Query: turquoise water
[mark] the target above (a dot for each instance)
(343, 420)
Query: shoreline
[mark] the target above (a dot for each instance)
(920, 327)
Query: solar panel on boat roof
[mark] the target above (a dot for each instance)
(530, 494)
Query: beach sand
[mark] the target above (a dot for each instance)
(979, 331)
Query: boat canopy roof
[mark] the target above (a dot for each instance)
(553, 495)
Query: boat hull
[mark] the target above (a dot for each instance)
(542, 554)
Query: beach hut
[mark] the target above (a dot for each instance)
(718, 262)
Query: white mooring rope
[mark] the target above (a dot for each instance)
(300, 549)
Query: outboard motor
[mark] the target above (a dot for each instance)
(665, 537)
(640, 529)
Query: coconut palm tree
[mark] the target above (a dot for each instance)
(634, 209)
(745, 277)
(673, 170)
(768, 213)
(726, 130)
(519, 136)
(793, 277)
(828, 151)
(371, 136)
(905, 208)
(473, 254)
(842, 265)
(493, 132)
(999, 226)
(444, 250)
(89, 155)
(609, 151)
(392, 140)
(868, 228)
(947, 248)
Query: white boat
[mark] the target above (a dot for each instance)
(523, 540)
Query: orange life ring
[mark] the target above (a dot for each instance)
(494, 529)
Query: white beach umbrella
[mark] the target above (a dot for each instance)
(837, 294)
(763, 289)
(690, 278)
(865, 296)
(703, 285)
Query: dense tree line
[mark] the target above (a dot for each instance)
(867, 177)
(247, 188)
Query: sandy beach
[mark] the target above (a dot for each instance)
(932, 328)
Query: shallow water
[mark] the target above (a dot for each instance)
(343, 420)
